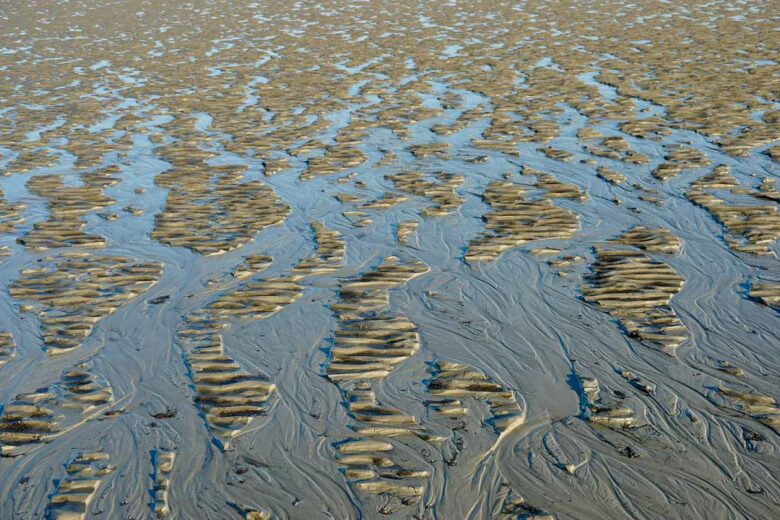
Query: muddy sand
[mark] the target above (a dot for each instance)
(432, 260)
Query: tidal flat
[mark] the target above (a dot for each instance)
(389, 260)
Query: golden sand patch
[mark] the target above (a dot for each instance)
(762, 408)
(767, 293)
(31, 159)
(441, 191)
(75, 492)
(405, 229)
(604, 411)
(10, 215)
(337, 158)
(229, 396)
(163, 467)
(252, 265)
(7, 348)
(754, 227)
(212, 210)
(558, 155)
(68, 206)
(367, 458)
(648, 128)
(636, 290)
(386, 201)
(678, 159)
(369, 342)
(653, 240)
(450, 383)
(617, 149)
(46, 413)
(610, 175)
(514, 220)
(330, 252)
(555, 189)
(73, 292)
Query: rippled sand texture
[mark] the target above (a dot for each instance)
(445, 260)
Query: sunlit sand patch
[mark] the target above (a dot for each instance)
(555, 189)
(774, 153)
(386, 201)
(514, 220)
(618, 149)
(767, 293)
(254, 514)
(511, 506)
(369, 342)
(767, 190)
(544, 251)
(649, 128)
(307, 148)
(10, 215)
(561, 263)
(558, 155)
(678, 159)
(330, 252)
(370, 348)
(89, 150)
(367, 458)
(506, 131)
(441, 192)
(330, 84)
(451, 383)
(337, 158)
(7, 348)
(437, 150)
(653, 240)
(610, 176)
(31, 160)
(358, 218)
(73, 292)
(274, 166)
(229, 396)
(68, 206)
(506, 146)
(636, 290)
(252, 265)
(587, 133)
(42, 415)
(370, 292)
(210, 210)
(762, 408)
(604, 411)
(78, 488)
(163, 467)
(755, 227)
(253, 300)
(347, 198)
(405, 229)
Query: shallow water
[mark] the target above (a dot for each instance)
(430, 355)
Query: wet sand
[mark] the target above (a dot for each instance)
(481, 260)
